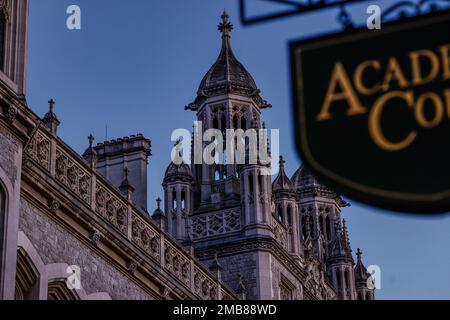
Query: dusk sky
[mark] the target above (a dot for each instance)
(134, 66)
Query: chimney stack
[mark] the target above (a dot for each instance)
(130, 153)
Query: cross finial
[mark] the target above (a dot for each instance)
(91, 140)
(51, 104)
(158, 202)
(359, 253)
(225, 26)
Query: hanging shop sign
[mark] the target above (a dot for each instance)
(372, 112)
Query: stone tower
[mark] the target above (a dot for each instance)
(280, 240)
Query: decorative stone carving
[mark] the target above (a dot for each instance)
(39, 150)
(4, 8)
(112, 208)
(216, 224)
(11, 114)
(177, 263)
(72, 175)
(165, 293)
(143, 234)
(53, 204)
(280, 233)
(204, 287)
(95, 237)
(132, 267)
(9, 148)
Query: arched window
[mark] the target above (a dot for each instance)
(338, 279)
(217, 175)
(289, 214)
(243, 124)
(2, 39)
(321, 225)
(183, 199)
(328, 224)
(223, 123)
(347, 279)
(174, 199)
(58, 290)
(27, 277)
(235, 122)
(260, 183)
(280, 213)
(215, 123)
(250, 183)
(304, 228)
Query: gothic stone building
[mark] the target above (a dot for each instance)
(226, 232)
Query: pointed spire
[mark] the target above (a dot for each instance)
(282, 182)
(50, 119)
(281, 162)
(361, 274)
(90, 155)
(126, 188)
(158, 213)
(227, 74)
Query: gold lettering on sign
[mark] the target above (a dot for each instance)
(389, 82)
(438, 110)
(375, 130)
(340, 77)
(374, 64)
(445, 55)
(418, 78)
(394, 73)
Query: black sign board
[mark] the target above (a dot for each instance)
(372, 112)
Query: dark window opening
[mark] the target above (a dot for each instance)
(183, 199)
(289, 215)
(174, 199)
(280, 214)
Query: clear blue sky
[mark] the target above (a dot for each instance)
(136, 64)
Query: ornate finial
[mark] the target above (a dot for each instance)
(158, 203)
(282, 162)
(359, 254)
(225, 26)
(126, 171)
(51, 104)
(91, 140)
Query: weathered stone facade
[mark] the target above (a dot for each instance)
(54, 244)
